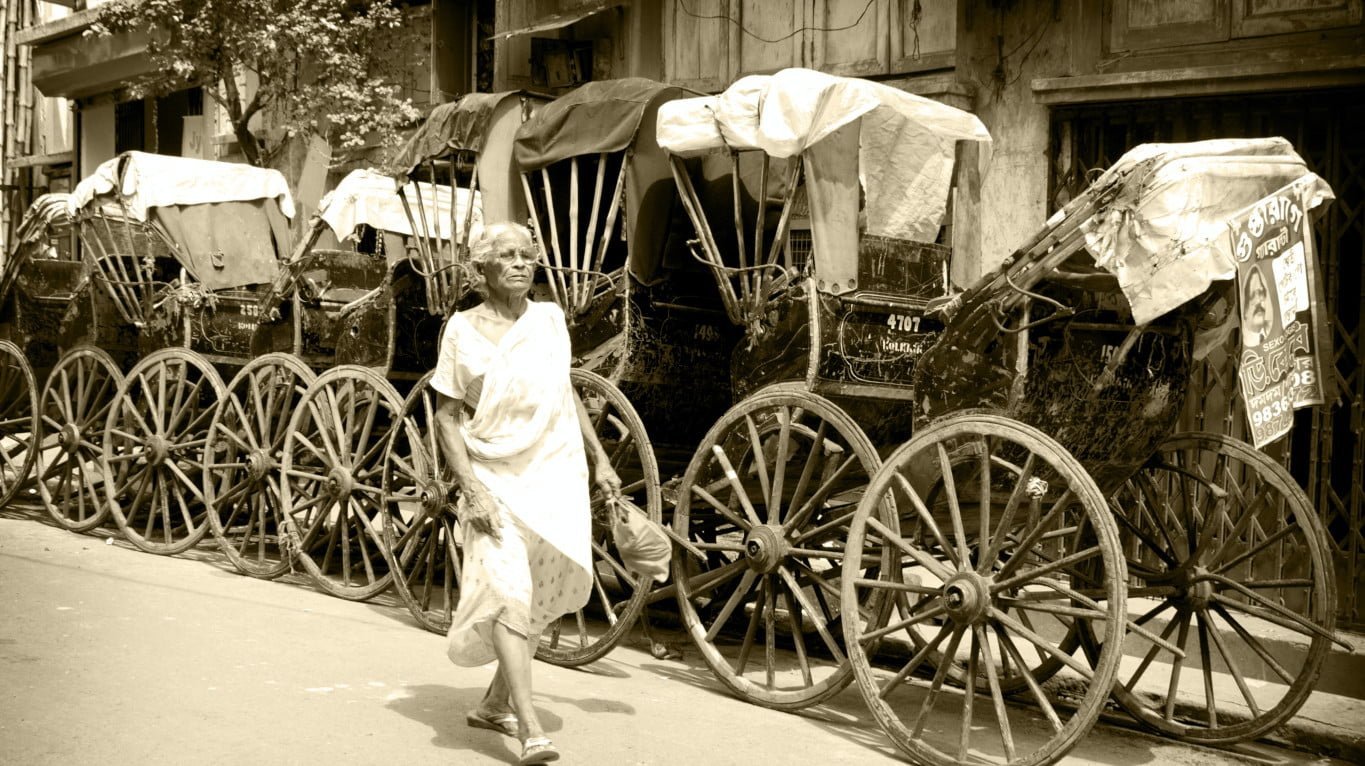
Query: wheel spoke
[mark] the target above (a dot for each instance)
(808, 468)
(1233, 668)
(821, 627)
(761, 467)
(927, 706)
(748, 644)
(915, 661)
(1033, 574)
(821, 493)
(954, 507)
(1032, 538)
(1154, 648)
(968, 697)
(780, 468)
(732, 478)
(1009, 649)
(1173, 687)
(997, 696)
(1254, 643)
(987, 561)
(1042, 643)
(913, 552)
(746, 584)
(722, 509)
(937, 610)
(927, 519)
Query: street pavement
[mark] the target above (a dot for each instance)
(112, 656)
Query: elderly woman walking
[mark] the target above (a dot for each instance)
(514, 433)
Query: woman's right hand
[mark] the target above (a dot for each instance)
(481, 510)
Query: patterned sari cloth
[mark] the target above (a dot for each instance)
(526, 448)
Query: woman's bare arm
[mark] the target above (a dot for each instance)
(605, 475)
(480, 509)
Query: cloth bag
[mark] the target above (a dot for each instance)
(644, 547)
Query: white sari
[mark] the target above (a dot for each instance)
(526, 448)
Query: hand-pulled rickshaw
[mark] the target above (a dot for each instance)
(175, 253)
(381, 332)
(316, 315)
(37, 280)
(1045, 504)
(833, 318)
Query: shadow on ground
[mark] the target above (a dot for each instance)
(443, 709)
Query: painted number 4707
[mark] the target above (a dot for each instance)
(903, 322)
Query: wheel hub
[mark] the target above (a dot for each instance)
(967, 597)
(1200, 591)
(69, 437)
(158, 449)
(433, 496)
(765, 547)
(258, 464)
(340, 483)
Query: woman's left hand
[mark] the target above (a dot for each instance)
(607, 480)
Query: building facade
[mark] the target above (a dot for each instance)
(1065, 87)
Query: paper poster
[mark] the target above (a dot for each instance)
(1277, 285)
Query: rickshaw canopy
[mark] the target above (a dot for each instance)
(367, 197)
(482, 123)
(600, 116)
(607, 117)
(854, 135)
(226, 222)
(1165, 236)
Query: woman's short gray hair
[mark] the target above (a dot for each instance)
(496, 238)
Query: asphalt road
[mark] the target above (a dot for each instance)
(112, 656)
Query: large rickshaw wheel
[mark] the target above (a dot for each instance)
(990, 574)
(765, 506)
(617, 594)
(1229, 563)
(420, 530)
(18, 420)
(333, 480)
(153, 450)
(242, 454)
(73, 409)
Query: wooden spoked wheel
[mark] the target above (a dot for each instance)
(333, 485)
(1229, 564)
(242, 454)
(420, 530)
(153, 450)
(617, 594)
(73, 410)
(765, 505)
(991, 573)
(18, 420)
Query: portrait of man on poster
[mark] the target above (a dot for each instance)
(1257, 319)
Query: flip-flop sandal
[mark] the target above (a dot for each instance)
(502, 723)
(537, 750)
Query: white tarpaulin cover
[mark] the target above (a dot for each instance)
(158, 180)
(904, 162)
(1166, 236)
(371, 198)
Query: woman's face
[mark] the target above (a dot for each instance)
(509, 269)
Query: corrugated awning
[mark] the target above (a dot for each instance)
(560, 20)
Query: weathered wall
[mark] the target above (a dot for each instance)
(97, 137)
(1001, 46)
